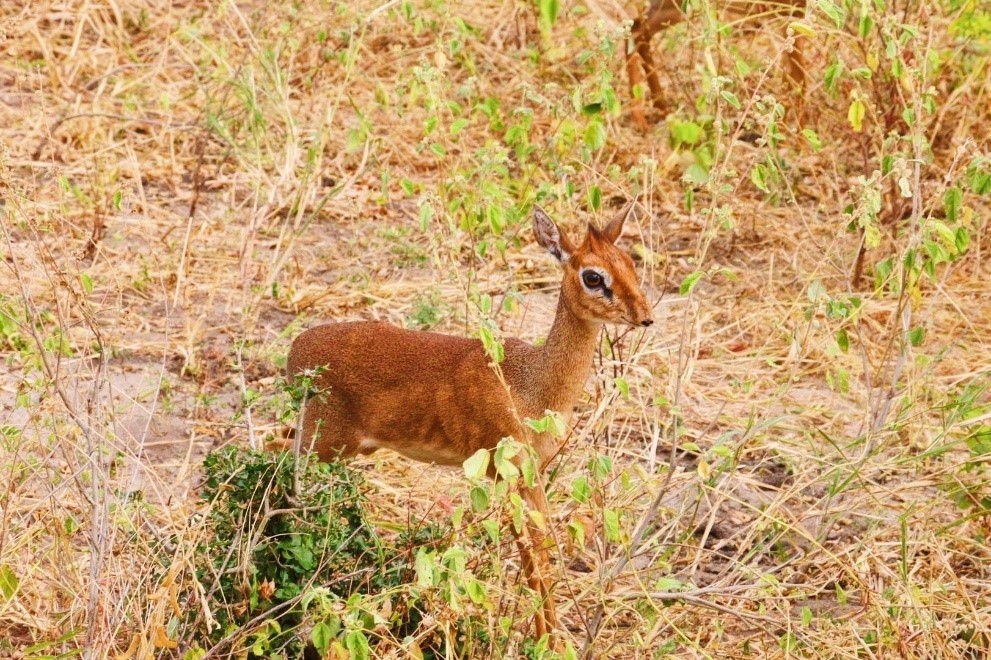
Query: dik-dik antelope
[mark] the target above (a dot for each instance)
(662, 14)
(438, 398)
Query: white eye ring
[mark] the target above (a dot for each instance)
(592, 279)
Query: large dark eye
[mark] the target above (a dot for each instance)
(592, 279)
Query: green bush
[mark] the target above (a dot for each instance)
(281, 570)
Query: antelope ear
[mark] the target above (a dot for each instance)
(614, 229)
(550, 237)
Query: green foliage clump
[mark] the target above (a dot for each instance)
(970, 487)
(290, 558)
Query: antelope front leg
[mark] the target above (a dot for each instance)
(536, 565)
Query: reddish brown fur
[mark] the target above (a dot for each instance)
(435, 398)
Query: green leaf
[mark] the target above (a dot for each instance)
(493, 529)
(855, 115)
(529, 470)
(722, 451)
(595, 136)
(979, 178)
(426, 214)
(688, 284)
(833, 11)
(323, 634)
(8, 582)
(961, 239)
(812, 138)
(87, 282)
(908, 115)
(979, 441)
(951, 203)
(669, 584)
(695, 175)
(493, 347)
(576, 531)
(356, 140)
(843, 340)
(866, 25)
(538, 425)
(610, 519)
(551, 423)
(595, 197)
(832, 76)
(479, 499)
(503, 460)
(357, 644)
(622, 386)
(477, 464)
(759, 177)
(581, 492)
(806, 616)
(476, 591)
(609, 99)
(730, 98)
(946, 235)
(118, 199)
(424, 567)
(687, 132)
(916, 336)
(600, 466)
(516, 506)
(548, 12)
(455, 559)
(592, 109)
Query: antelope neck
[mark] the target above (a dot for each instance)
(566, 357)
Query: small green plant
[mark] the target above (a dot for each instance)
(10, 336)
(267, 546)
(283, 569)
(428, 311)
(969, 487)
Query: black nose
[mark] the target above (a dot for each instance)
(647, 322)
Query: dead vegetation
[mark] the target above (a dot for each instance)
(792, 461)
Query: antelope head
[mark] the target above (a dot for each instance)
(600, 283)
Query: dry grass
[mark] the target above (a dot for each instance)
(187, 184)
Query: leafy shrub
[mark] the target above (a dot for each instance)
(282, 568)
(969, 487)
